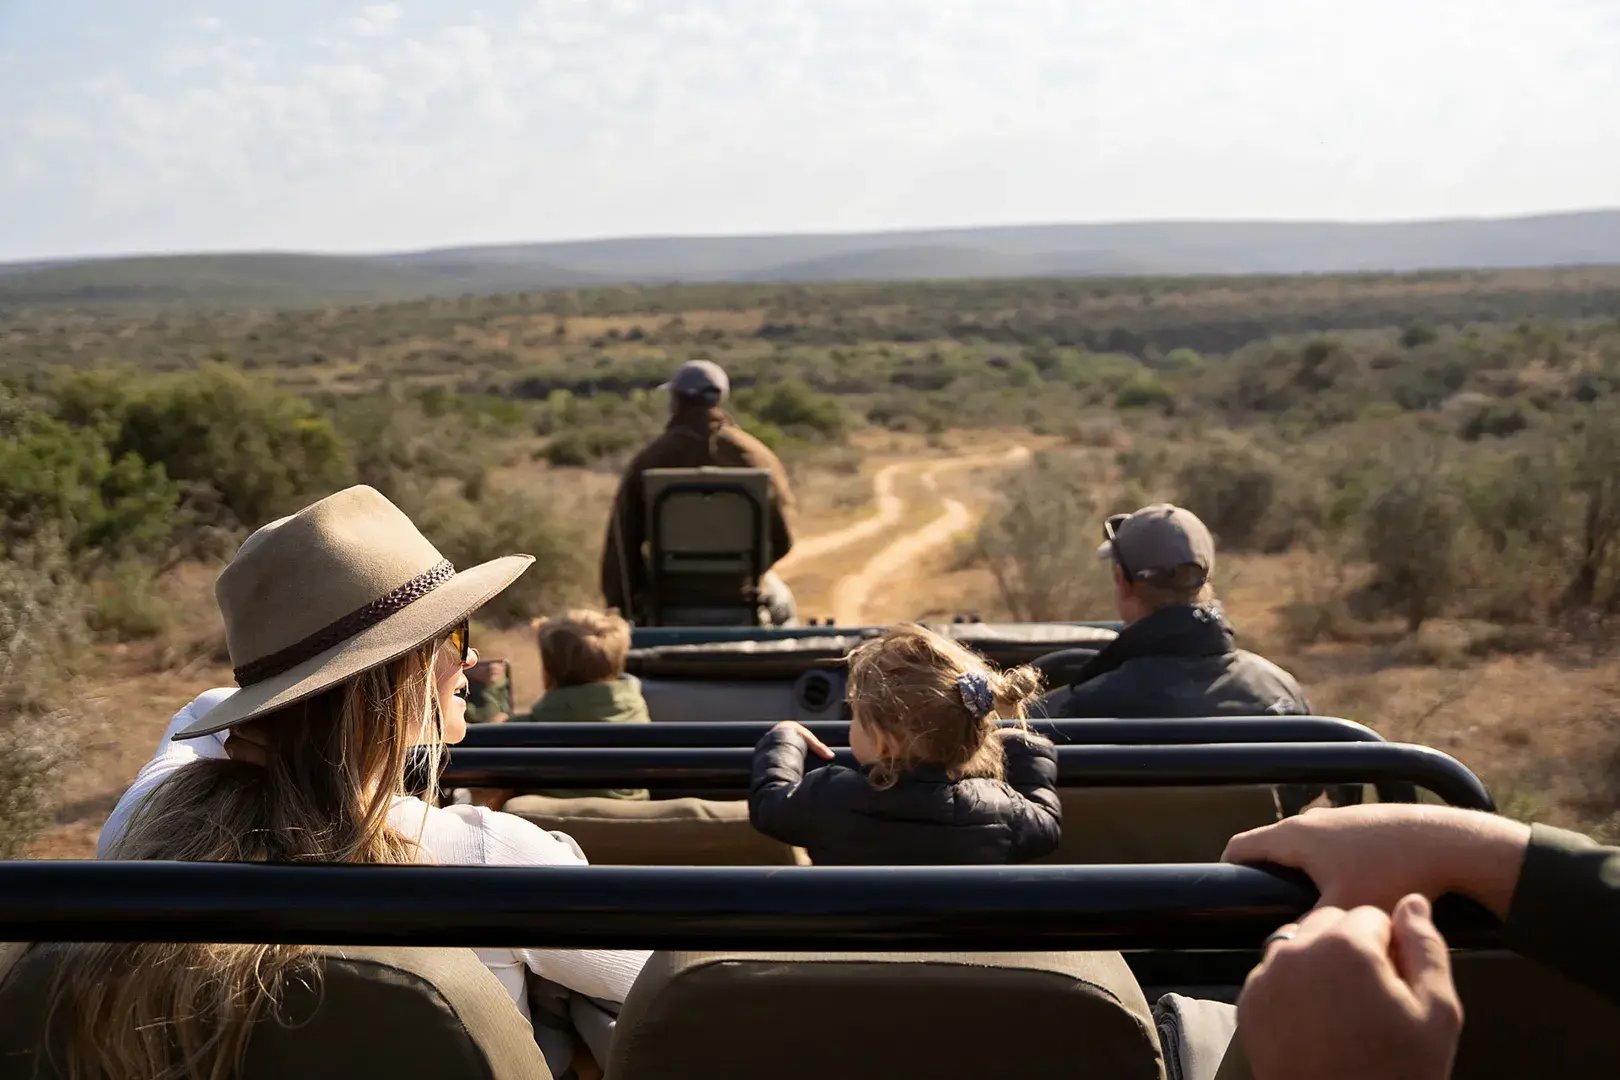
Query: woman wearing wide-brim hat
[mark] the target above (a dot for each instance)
(348, 634)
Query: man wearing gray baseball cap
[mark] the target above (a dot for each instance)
(700, 432)
(1176, 656)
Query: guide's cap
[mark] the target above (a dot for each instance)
(1160, 545)
(700, 380)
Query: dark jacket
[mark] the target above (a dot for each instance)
(1566, 908)
(1179, 661)
(924, 819)
(695, 437)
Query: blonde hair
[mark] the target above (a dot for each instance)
(584, 646)
(906, 684)
(334, 766)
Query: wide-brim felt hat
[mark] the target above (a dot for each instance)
(338, 588)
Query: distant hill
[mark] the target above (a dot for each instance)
(1135, 248)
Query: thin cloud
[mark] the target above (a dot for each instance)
(375, 20)
(559, 118)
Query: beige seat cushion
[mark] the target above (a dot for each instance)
(377, 1014)
(806, 1016)
(662, 832)
(1154, 825)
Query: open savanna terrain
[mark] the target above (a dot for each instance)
(1415, 480)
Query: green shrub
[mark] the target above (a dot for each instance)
(564, 571)
(32, 754)
(1416, 334)
(584, 446)
(1412, 532)
(126, 603)
(1037, 542)
(1238, 492)
(1143, 392)
(1594, 477)
(1182, 360)
(1496, 419)
(42, 643)
(796, 409)
(261, 451)
(66, 480)
(42, 624)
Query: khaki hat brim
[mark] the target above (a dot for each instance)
(420, 621)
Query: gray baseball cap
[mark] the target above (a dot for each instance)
(700, 380)
(1161, 545)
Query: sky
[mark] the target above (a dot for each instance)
(324, 125)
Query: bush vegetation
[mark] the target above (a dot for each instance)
(1447, 445)
(1036, 539)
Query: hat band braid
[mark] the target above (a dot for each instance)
(355, 622)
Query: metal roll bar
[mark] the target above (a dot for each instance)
(1217, 729)
(652, 637)
(728, 768)
(802, 908)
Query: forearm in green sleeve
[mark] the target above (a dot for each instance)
(1566, 908)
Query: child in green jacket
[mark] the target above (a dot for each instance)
(582, 660)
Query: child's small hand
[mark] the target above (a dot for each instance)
(817, 747)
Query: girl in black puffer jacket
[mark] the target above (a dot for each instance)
(940, 781)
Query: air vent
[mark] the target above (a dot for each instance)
(816, 691)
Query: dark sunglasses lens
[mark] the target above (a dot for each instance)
(459, 640)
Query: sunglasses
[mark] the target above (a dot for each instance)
(460, 640)
(1110, 528)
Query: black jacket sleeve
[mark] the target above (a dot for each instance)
(1093, 699)
(781, 800)
(1037, 822)
(1566, 908)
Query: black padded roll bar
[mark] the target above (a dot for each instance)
(1217, 729)
(815, 908)
(728, 768)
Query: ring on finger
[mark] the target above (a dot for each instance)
(1286, 933)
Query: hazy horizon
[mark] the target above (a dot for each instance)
(804, 233)
(182, 126)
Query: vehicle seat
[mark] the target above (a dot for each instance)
(708, 545)
(375, 1014)
(1157, 825)
(660, 832)
(1522, 1018)
(948, 1015)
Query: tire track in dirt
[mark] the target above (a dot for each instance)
(890, 508)
(892, 562)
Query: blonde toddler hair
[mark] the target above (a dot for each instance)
(917, 688)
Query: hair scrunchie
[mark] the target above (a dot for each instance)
(976, 694)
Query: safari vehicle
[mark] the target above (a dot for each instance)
(767, 966)
(793, 972)
(720, 687)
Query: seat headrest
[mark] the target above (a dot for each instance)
(805, 1016)
(1157, 825)
(658, 832)
(373, 1014)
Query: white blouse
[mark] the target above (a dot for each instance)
(453, 835)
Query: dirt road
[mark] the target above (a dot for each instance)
(851, 601)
